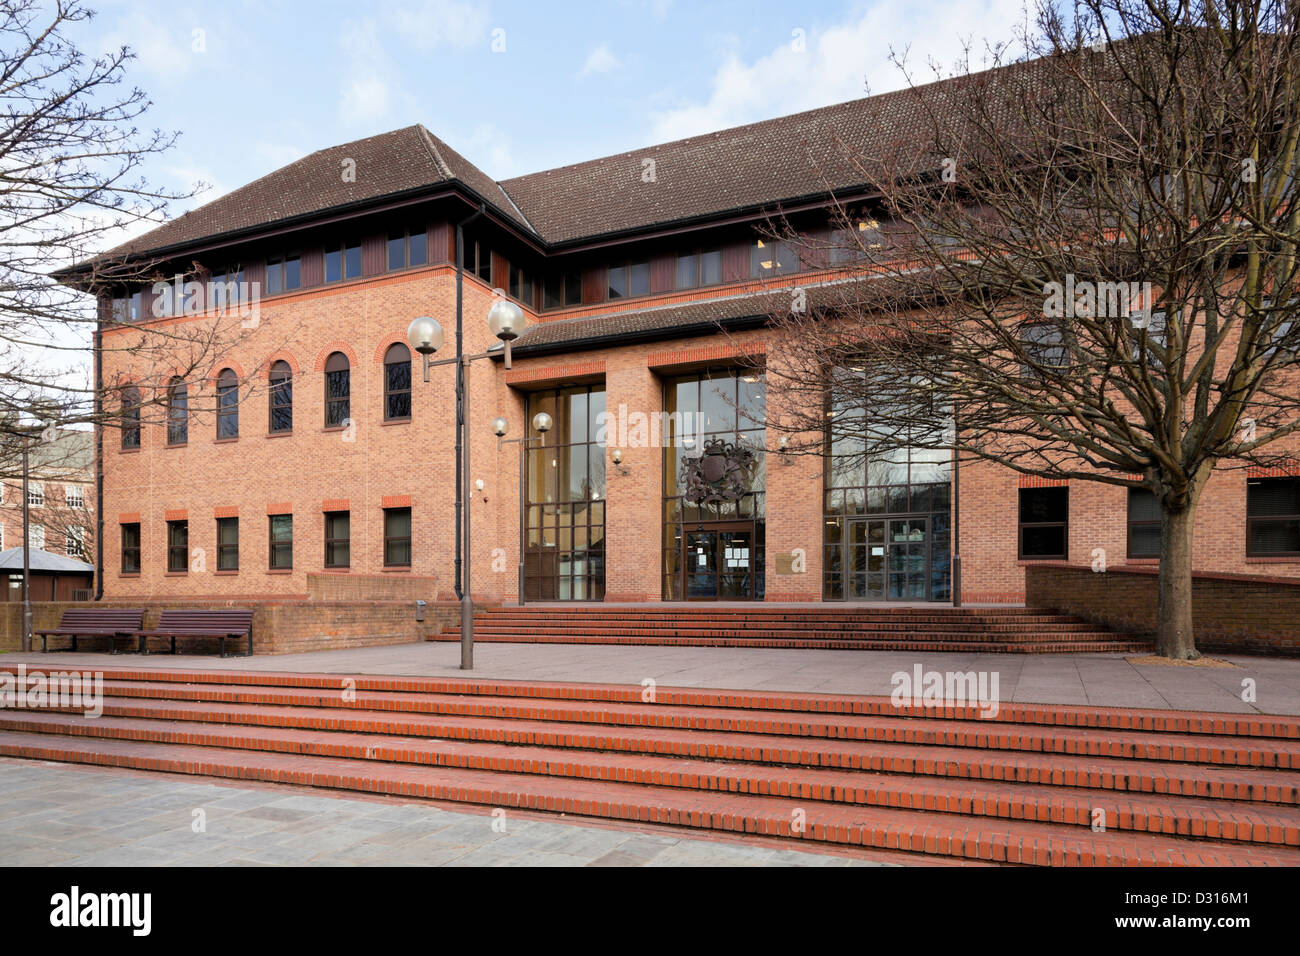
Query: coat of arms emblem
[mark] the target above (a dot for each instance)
(720, 474)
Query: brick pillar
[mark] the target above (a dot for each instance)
(794, 510)
(634, 489)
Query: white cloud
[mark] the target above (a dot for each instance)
(600, 60)
(368, 82)
(434, 23)
(839, 63)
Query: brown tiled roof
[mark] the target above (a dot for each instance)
(700, 317)
(389, 163)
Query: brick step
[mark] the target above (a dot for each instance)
(1054, 715)
(1228, 821)
(783, 619)
(924, 832)
(792, 634)
(1041, 769)
(1180, 748)
(758, 609)
(1110, 646)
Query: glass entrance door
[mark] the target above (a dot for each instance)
(887, 559)
(718, 564)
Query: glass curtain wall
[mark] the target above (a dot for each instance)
(564, 520)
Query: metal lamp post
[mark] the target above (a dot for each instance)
(425, 335)
(542, 424)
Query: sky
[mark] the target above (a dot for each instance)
(515, 87)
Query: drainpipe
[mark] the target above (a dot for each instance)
(99, 461)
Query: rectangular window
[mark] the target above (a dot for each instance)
(337, 539)
(1273, 517)
(35, 495)
(562, 290)
(770, 257)
(178, 546)
(333, 265)
(227, 544)
(74, 496)
(283, 274)
(521, 285)
(478, 260)
(397, 537)
(131, 548)
(1143, 524)
(1044, 522)
(408, 248)
(697, 269)
(74, 539)
(629, 279)
(37, 535)
(281, 549)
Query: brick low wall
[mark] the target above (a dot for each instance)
(279, 627)
(1237, 613)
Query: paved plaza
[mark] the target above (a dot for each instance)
(1109, 680)
(58, 815)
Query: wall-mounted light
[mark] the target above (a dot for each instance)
(478, 485)
(783, 444)
(617, 456)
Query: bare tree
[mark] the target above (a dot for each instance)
(1079, 264)
(72, 155)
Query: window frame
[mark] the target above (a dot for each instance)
(227, 410)
(79, 537)
(780, 247)
(332, 403)
(281, 263)
(35, 494)
(404, 237)
(273, 544)
(331, 542)
(1252, 520)
(173, 548)
(224, 549)
(343, 249)
(132, 402)
(1131, 523)
(389, 392)
(178, 416)
(277, 387)
(390, 540)
(130, 549)
(1021, 525)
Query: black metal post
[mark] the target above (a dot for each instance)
(462, 571)
(27, 559)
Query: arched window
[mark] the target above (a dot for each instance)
(130, 418)
(397, 383)
(178, 413)
(338, 390)
(281, 398)
(227, 404)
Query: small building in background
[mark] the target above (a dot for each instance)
(54, 577)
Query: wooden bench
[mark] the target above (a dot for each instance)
(111, 623)
(222, 623)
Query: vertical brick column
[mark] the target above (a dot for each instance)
(794, 506)
(634, 489)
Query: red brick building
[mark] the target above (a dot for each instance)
(310, 443)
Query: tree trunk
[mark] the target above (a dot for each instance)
(1174, 635)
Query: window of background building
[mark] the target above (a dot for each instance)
(227, 404)
(35, 494)
(1044, 522)
(74, 539)
(131, 548)
(1273, 517)
(227, 544)
(281, 398)
(283, 274)
(338, 545)
(74, 496)
(1143, 523)
(408, 248)
(281, 545)
(397, 537)
(37, 535)
(178, 546)
(338, 390)
(397, 383)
